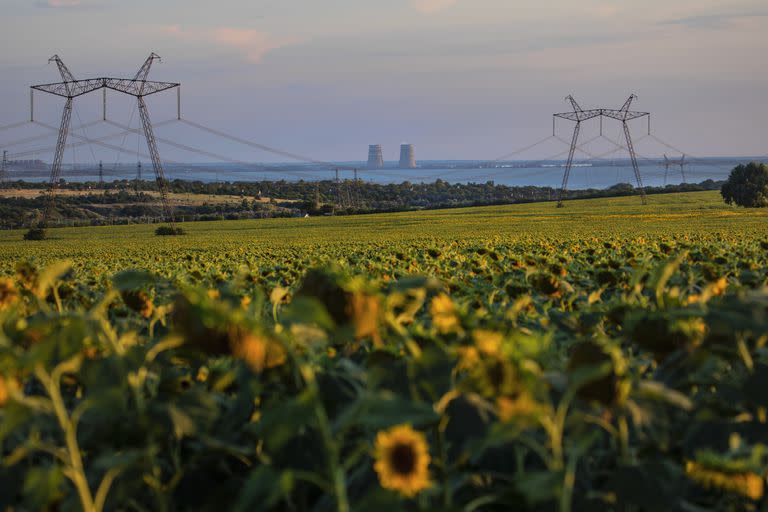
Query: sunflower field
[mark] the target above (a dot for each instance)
(474, 360)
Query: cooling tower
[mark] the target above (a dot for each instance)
(375, 157)
(407, 157)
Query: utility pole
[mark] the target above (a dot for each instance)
(101, 174)
(357, 191)
(138, 178)
(338, 192)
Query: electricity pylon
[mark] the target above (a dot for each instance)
(4, 169)
(667, 163)
(70, 88)
(580, 115)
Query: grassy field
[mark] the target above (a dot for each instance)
(697, 213)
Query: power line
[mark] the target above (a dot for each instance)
(14, 125)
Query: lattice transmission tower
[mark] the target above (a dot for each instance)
(4, 169)
(70, 88)
(669, 162)
(579, 115)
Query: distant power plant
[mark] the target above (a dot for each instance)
(375, 157)
(407, 157)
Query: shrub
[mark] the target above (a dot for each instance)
(747, 186)
(168, 231)
(35, 234)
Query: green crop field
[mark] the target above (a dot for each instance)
(117, 247)
(602, 356)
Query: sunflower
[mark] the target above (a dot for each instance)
(7, 386)
(745, 483)
(444, 315)
(258, 352)
(488, 342)
(496, 376)
(8, 293)
(402, 460)
(521, 408)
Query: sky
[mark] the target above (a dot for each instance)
(459, 79)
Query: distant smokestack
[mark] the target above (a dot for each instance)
(375, 157)
(407, 157)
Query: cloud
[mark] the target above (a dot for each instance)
(59, 4)
(252, 44)
(713, 21)
(431, 6)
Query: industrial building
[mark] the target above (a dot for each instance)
(407, 156)
(375, 157)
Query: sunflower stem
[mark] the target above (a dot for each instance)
(566, 496)
(624, 439)
(335, 469)
(440, 435)
(75, 470)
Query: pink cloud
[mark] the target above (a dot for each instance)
(171, 29)
(57, 4)
(252, 44)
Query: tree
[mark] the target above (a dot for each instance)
(747, 186)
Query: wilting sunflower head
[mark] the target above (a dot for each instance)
(744, 483)
(521, 408)
(8, 293)
(257, 351)
(496, 376)
(402, 460)
(139, 301)
(613, 386)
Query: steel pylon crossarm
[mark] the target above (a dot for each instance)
(80, 87)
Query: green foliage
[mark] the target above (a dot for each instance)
(35, 234)
(747, 186)
(169, 231)
(237, 371)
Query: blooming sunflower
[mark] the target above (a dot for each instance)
(402, 460)
(488, 342)
(444, 315)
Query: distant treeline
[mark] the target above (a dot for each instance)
(128, 201)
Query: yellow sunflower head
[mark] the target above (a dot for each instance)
(402, 460)
(488, 342)
(521, 408)
(443, 312)
(7, 386)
